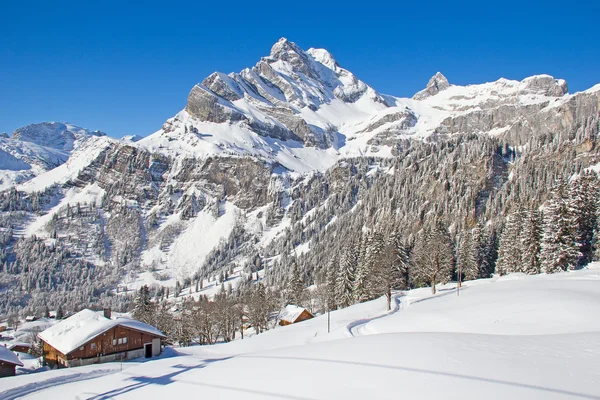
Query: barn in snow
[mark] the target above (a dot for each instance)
(8, 362)
(91, 337)
(292, 314)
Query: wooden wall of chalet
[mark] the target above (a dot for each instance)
(103, 345)
(7, 369)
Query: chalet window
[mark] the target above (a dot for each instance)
(81, 348)
(114, 342)
(120, 340)
(124, 340)
(93, 346)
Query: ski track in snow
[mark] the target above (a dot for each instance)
(30, 388)
(358, 327)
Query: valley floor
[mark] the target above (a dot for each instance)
(516, 337)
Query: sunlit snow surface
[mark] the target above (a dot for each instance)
(517, 337)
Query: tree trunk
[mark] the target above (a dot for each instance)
(433, 286)
(388, 294)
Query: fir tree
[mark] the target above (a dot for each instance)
(295, 286)
(466, 258)
(559, 247)
(582, 203)
(531, 236)
(509, 252)
(59, 312)
(143, 308)
(344, 282)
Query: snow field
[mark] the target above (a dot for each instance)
(517, 337)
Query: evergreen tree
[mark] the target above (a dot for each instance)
(344, 283)
(59, 312)
(295, 286)
(509, 252)
(143, 308)
(467, 258)
(559, 247)
(583, 193)
(332, 272)
(531, 236)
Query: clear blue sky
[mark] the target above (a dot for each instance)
(125, 67)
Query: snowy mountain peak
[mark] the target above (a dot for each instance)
(546, 85)
(324, 57)
(56, 135)
(436, 84)
(283, 49)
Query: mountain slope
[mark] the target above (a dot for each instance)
(288, 159)
(506, 338)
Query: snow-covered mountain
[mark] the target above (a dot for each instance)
(273, 154)
(37, 148)
(304, 111)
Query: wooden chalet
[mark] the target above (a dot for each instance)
(91, 337)
(8, 362)
(293, 314)
(20, 347)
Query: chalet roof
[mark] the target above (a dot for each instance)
(18, 344)
(77, 330)
(291, 313)
(8, 356)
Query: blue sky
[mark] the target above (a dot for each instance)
(125, 67)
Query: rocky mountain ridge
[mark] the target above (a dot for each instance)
(261, 164)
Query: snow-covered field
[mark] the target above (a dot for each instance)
(517, 337)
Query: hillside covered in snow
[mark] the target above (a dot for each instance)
(517, 337)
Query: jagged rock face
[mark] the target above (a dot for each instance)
(547, 85)
(223, 86)
(127, 171)
(405, 119)
(518, 122)
(436, 84)
(206, 107)
(243, 181)
(279, 86)
(53, 134)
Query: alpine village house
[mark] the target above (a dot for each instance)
(92, 337)
(8, 362)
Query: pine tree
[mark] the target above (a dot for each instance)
(59, 312)
(466, 258)
(583, 193)
(509, 252)
(295, 286)
(531, 236)
(143, 308)
(559, 247)
(332, 272)
(344, 283)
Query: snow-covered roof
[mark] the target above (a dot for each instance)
(18, 344)
(8, 356)
(82, 327)
(291, 313)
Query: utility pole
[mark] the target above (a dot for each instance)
(459, 281)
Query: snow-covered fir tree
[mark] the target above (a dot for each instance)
(559, 246)
(344, 283)
(509, 252)
(530, 240)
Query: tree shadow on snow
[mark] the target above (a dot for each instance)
(439, 373)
